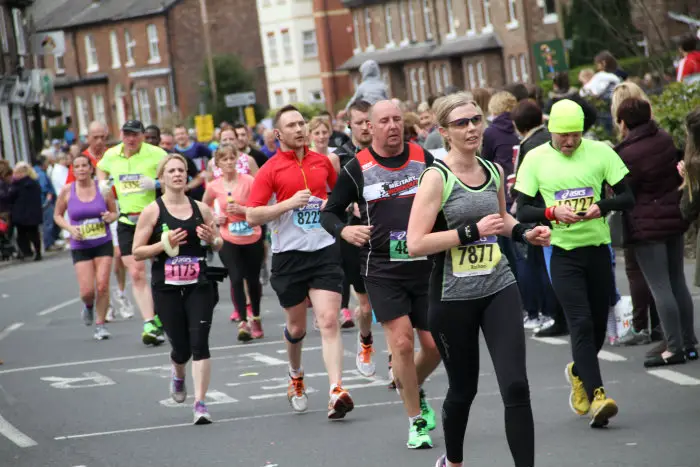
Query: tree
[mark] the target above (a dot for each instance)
(231, 77)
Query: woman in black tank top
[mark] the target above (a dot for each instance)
(173, 231)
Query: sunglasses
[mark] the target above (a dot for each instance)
(464, 122)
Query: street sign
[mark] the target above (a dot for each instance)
(250, 116)
(240, 99)
(204, 124)
(49, 43)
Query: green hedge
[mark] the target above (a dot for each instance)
(672, 106)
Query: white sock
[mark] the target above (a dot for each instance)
(411, 420)
(295, 373)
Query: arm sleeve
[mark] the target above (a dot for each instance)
(262, 190)
(531, 210)
(623, 199)
(346, 192)
(590, 115)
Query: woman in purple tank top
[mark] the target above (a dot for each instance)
(90, 214)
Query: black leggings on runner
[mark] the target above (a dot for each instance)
(244, 262)
(186, 313)
(455, 328)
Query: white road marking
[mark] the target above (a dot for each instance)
(611, 357)
(88, 380)
(550, 340)
(130, 357)
(345, 378)
(304, 349)
(274, 395)
(675, 377)
(12, 327)
(14, 435)
(58, 307)
(213, 398)
(266, 359)
(285, 378)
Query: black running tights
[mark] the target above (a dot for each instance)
(244, 262)
(455, 328)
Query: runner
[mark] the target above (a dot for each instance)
(243, 144)
(242, 253)
(172, 230)
(199, 154)
(305, 261)
(383, 180)
(91, 239)
(458, 212)
(133, 165)
(569, 173)
(358, 114)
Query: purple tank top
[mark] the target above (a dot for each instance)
(88, 218)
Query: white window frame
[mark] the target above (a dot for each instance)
(287, 49)
(4, 38)
(161, 93)
(144, 106)
(403, 14)
(422, 84)
(480, 73)
(279, 99)
(272, 55)
(83, 115)
(314, 98)
(472, 78)
(59, 67)
(130, 44)
(135, 112)
(451, 30)
(293, 96)
(550, 17)
(66, 110)
(488, 26)
(309, 42)
(513, 63)
(20, 38)
(413, 77)
(426, 20)
(389, 26)
(512, 15)
(356, 31)
(368, 29)
(446, 78)
(436, 78)
(470, 17)
(91, 58)
(98, 108)
(524, 74)
(114, 47)
(153, 48)
(412, 21)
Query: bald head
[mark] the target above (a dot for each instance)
(383, 108)
(97, 138)
(386, 120)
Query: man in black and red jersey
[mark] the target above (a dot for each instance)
(383, 180)
(305, 258)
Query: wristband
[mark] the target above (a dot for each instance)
(169, 250)
(518, 233)
(468, 233)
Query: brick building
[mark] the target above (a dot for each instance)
(422, 46)
(142, 59)
(659, 29)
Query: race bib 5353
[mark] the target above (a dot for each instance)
(476, 259)
(130, 183)
(181, 270)
(578, 199)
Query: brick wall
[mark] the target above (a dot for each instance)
(234, 29)
(333, 29)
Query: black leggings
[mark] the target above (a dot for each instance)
(244, 262)
(455, 328)
(28, 236)
(186, 313)
(583, 281)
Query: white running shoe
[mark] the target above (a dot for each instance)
(101, 333)
(110, 315)
(126, 309)
(296, 394)
(363, 359)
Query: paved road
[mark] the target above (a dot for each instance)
(66, 400)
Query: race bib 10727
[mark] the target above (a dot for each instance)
(578, 199)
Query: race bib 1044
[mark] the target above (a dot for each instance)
(479, 258)
(92, 229)
(130, 183)
(181, 270)
(240, 229)
(308, 217)
(578, 199)
(398, 250)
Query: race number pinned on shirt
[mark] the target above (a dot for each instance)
(308, 217)
(130, 183)
(479, 258)
(398, 250)
(578, 199)
(92, 229)
(240, 229)
(181, 270)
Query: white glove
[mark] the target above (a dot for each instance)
(147, 183)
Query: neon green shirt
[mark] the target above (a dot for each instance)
(127, 173)
(576, 181)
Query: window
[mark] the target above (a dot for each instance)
(422, 84)
(512, 15)
(144, 107)
(120, 103)
(279, 100)
(91, 54)
(414, 84)
(356, 30)
(472, 78)
(445, 75)
(513, 69)
(272, 48)
(389, 26)
(293, 98)
(4, 39)
(66, 110)
(404, 22)
(153, 51)
(161, 104)
(287, 46)
(412, 21)
(308, 38)
(550, 11)
(450, 19)
(59, 64)
(130, 46)
(426, 20)
(368, 29)
(18, 22)
(437, 80)
(316, 96)
(487, 16)
(98, 108)
(470, 17)
(523, 68)
(480, 73)
(114, 45)
(83, 115)
(135, 105)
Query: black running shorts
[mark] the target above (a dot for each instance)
(394, 298)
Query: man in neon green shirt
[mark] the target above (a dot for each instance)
(133, 165)
(562, 184)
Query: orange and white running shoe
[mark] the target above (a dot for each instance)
(363, 360)
(340, 403)
(296, 393)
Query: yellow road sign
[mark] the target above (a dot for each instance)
(204, 124)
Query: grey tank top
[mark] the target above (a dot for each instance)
(480, 269)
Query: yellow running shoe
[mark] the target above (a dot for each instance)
(578, 399)
(602, 409)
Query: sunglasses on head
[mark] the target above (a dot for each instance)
(464, 122)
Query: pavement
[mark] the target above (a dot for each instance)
(68, 401)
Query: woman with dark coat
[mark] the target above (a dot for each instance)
(26, 213)
(654, 227)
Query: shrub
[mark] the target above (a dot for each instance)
(309, 111)
(671, 107)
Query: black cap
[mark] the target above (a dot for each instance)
(135, 126)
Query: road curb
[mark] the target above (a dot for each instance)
(46, 255)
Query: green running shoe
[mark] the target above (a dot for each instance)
(152, 335)
(418, 437)
(427, 412)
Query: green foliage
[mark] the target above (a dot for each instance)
(309, 111)
(231, 77)
(672, 106)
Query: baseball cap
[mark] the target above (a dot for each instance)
(566, 116)
(135, 126)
